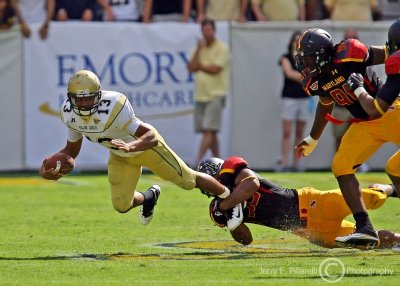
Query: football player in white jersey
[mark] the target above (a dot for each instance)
(107, 118)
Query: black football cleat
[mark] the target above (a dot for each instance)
(146, 211)
(358, 240)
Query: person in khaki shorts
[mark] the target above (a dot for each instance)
(210, 63)
(278, 10)
(222, 10)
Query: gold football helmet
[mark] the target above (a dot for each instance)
(86, 85)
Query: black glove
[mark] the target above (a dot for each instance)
(355, 81)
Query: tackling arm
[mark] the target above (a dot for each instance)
(247, 184)
(378, 54)
(387, 94)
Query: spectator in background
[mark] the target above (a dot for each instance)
(7, 14)
(35, 11)
(294, 106)
(210, 63)
(352, 10)
(278, 10)
(83, 10)
(167, 10)
(342, 114)
(315, 10)
(222, 10)
(126, 10)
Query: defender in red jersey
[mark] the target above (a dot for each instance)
(325, 68)
(388, 94)
(315, 215)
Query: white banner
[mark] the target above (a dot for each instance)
(147, 62)
(11, 96)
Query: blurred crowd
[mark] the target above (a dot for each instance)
(26, 12)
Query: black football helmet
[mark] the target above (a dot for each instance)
(216, 216)
(211, 167)
(314, 51)
(393, 43)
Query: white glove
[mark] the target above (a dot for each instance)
(312, 143)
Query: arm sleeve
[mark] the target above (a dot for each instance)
(74, 136)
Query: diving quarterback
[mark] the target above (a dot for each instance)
(325, 68)
(107, 118)
(315, 215)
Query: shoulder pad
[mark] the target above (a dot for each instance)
(231, 164)
(351, 50)
(392, 64)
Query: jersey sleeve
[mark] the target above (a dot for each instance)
(74, 136)
(351, 51)
(127, 119)
(392, 64)
(390, 90)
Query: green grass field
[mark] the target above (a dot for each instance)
(67, 233)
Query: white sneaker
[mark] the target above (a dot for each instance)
(358, 240)
(146, 211)
(234, 217)
(396, 248)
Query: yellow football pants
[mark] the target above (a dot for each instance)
(324, 213)
(124, 172)
(363, 139)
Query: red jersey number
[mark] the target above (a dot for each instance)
(343, 96)
(253, 204)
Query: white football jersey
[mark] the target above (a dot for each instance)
(114, 119)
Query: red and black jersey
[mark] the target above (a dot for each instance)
(349, 56)
(272, 205)
(391, 88)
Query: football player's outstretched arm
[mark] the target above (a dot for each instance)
(242, 234)
(387, 94)
(72, 149)
(307, 145)
(247, 184)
